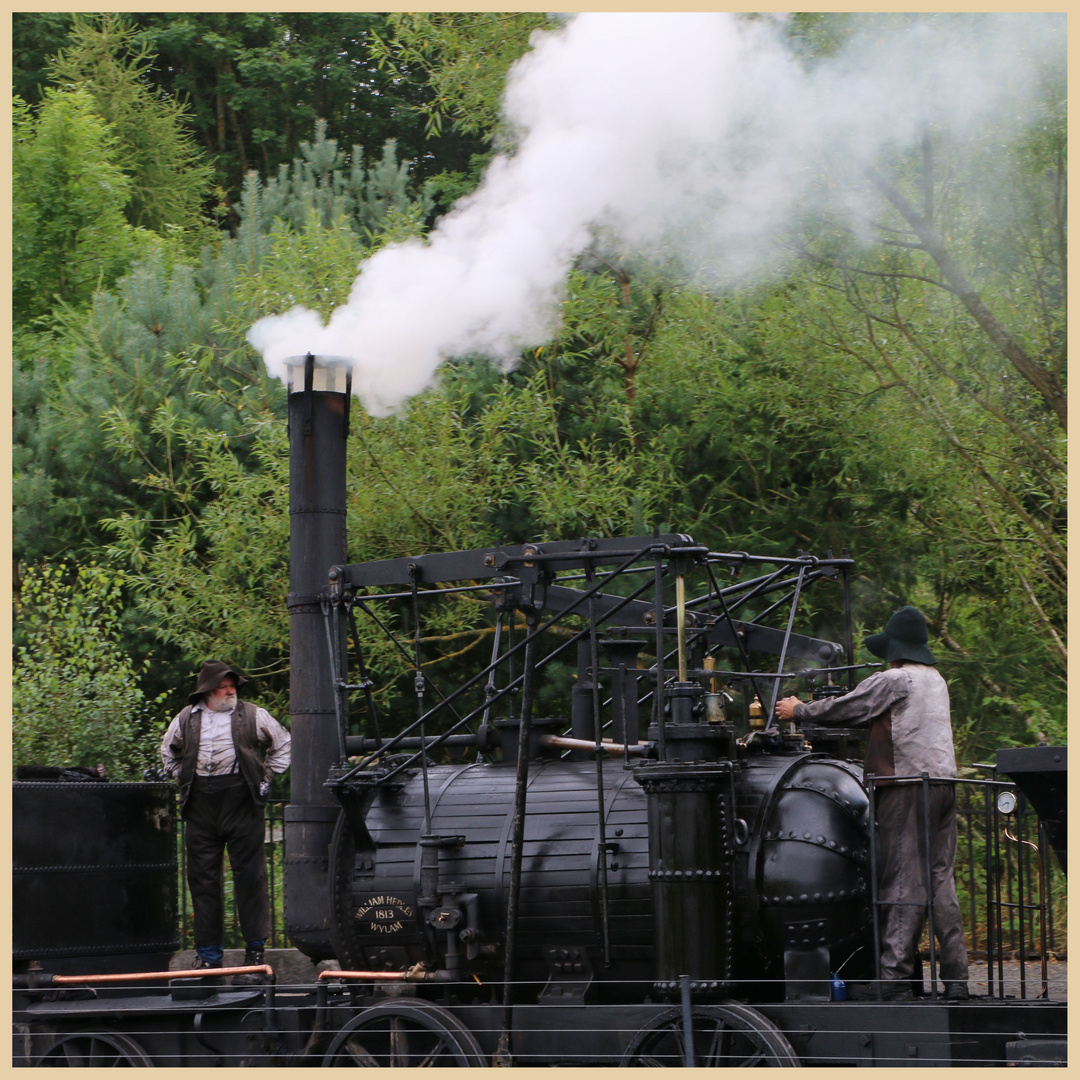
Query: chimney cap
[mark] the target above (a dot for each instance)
(329, 373)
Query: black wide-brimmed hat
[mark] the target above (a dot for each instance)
(904, 638)
(210, 676)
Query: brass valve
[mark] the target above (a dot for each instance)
(757, 714)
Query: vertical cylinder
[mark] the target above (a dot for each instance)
(318, 428)
(690, 853)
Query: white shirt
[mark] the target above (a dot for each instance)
(217, 754)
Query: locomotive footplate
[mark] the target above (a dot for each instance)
(870, 1034)
(920, 1033)
(236, 1027)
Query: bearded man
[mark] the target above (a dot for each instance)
(223, 752)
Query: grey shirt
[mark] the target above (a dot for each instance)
(907, 709)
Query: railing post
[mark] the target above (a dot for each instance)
(874, 909)
(991, 937)
(183, 885)
(925, 787)
(1021, 906)
(972, 885)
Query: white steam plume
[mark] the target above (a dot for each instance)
(693, 133)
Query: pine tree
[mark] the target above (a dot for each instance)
(101, 402)
(169, 177)
(324, 183)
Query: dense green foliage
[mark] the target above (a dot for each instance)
(254, 83)
(69, 233)
(75, 697)
(169, 176)
(865, 402)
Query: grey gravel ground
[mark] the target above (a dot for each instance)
(1056, 976)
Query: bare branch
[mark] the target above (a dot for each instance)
(1044, 380)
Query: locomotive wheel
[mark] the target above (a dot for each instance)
(405, 1034)
(725, 1036)
(347, 950)
(82, 1050)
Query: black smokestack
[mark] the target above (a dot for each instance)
(319, 395)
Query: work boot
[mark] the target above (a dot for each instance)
(896, 990)
(252, 958)
(199, 964)
(957, 991)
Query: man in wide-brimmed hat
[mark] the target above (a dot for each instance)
(223, 752)
(906, 707)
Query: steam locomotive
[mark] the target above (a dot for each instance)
(597, 848)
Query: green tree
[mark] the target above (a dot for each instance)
(69, 236)
(76, 694)
(463, 57)
(36, 37)
(258, 81)
(866, 403)
(97, 401)
(169, 175)
(951, 328)
(255, 82)
(324, 183)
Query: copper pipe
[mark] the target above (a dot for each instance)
(412, 975)
(153, 976)
(562, 742)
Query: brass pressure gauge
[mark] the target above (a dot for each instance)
(1006, 801)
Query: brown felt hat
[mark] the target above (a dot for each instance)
(210, 676)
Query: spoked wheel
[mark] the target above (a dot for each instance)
(347, 950)
(729, 1035)
(81, 1050)
(405, 1034)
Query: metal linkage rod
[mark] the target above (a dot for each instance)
(335, 681)
(783, 652)
(159, 976)
(519, 647)
(849, 645)
(420, 704)
(490, 687)
(433, 592)
(743, 557)
(659, 694)
(400, 648)
(726, 611)
(594, 660)
(518, 840)
(365, 682)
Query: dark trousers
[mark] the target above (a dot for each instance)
(902, 842)
(220, 814)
